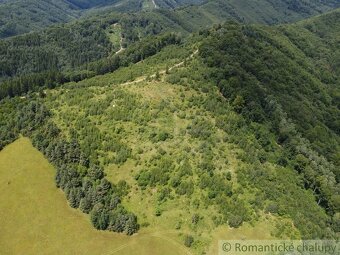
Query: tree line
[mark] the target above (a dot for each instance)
(82, 179)
(54, 76)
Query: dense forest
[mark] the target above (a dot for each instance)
(18, 17)
(272, 83)
(68, 52)
(50, 68)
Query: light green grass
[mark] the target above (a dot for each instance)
(261, 231)
(36, 219)
(179, 209)
(114, 32)
(148, 5)
(142, 100)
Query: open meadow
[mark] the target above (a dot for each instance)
(36, 219)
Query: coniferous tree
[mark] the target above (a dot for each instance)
(131, 225)
(95, 172)
(99, 217)
(85, 204)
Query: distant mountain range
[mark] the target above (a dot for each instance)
(18, 16)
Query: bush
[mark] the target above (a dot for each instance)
(235, 221)
(336, 223)
(195, 219)
(272, 208)
(200, 128)
(158, 212)
(188, 241)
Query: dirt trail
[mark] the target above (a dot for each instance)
(121, 49)
(162, 72)
(121, 46)
(154, 4)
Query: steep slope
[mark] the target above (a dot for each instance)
(233, 125)
(176, 3)
(268, 11)
(294, 65)
(278, 81)
(28, 181)
(18, 17)
(20, 55)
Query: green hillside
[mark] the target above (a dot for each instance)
(235, 126)
(53, 227)
(162, 124)
(268, 12)
(18, 17)
(79, 49)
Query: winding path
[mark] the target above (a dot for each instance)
(121, 46)
(162, 72)
(154, 4)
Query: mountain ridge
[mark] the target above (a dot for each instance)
(190, 122)
(19, 16)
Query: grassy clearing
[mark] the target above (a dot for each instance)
(148, 5)
(57, 223)
(35, 218)
(140, 101)
(261, 231)
(115, 34)
(131, 115)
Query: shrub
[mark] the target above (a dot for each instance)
(188, 241)
(235, 221)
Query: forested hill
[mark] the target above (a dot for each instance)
(294, 66)
(285, 82)
(22, 16)
(260, 11)
(69, 47)
(18, 16)
(235, 123)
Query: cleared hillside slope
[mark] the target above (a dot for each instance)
(236, 125)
